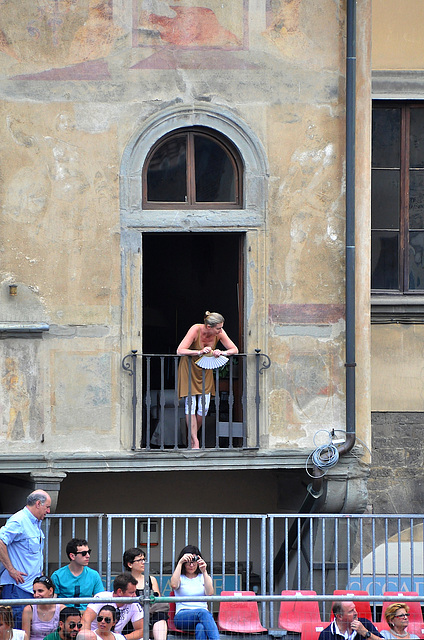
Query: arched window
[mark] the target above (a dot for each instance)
(192, 168)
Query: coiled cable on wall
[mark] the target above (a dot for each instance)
(324, 456)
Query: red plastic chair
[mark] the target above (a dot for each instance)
(241, 617)
(171, 616)
(415, 613)
(363, 608)
(311, 630)
(294, 613)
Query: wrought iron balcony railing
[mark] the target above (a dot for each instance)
(233, 419)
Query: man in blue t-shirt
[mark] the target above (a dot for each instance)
(77, 580)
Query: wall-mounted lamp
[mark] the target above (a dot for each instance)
(13, 289)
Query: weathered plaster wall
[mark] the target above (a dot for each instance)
(397, 34)
(78, 82)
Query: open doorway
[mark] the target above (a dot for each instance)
(185, 275)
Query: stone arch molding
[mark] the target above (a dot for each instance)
(227, 123)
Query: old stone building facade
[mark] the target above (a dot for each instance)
(98, 98)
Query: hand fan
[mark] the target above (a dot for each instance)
(210, 362)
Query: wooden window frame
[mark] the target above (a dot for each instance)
(404, 170)
(224, 143)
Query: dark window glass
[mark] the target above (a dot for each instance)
(416, 199)
(215, 180)
(384, 257)
(397, 197)
(166, 174)
(416, 260)
(386, 138)
(385, 196)
(193, 168)
(417, 138)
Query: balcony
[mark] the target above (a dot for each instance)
(234, 417)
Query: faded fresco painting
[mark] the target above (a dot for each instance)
(174, 23)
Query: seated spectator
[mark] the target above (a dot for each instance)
(133, 561)
(397, 617)
(190, 578)
(106, 620)
(124, 586)
(346, 624)
(38, 620)
(76, 579)
(7, 632)
(69, 625)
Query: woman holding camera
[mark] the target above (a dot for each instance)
(191, 578)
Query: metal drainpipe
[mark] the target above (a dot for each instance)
(350, 225)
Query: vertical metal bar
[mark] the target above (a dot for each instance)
(123, 535)
(386, 549)
(60, 541)
(146, 583)
(203, 409)
(348, 546)
(100, 545)
(134, 398)
(373, 548)
(257, 396)
(176, 405)
(47, 523)
(323, 556)
(230, 405)
(199, 533)
(224, 528)
(148, 400)
(299, 553)
(244, 399)
(73, 534)
(263, 565)
(248, 554)
(311, 555)
(211, 534)
(271, 546)
(173, 542)
(286, 553)
(236, 551)
(162, 402)
(336, 552)
(399, 533)
(109, 553)
(135, 530)
(186, 532)
(411, 528)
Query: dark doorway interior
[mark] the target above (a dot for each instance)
(183, 276)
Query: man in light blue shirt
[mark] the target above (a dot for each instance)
(21, 550)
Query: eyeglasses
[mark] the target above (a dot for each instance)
(72, 625)
(83, 553)
(105, 618)
(402, 615)
(139, 560)
(44, 580)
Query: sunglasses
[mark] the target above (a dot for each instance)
(72, 625)
(84, 553)
(105, 618)
(44, 580)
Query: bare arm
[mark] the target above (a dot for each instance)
(27, 619)
(230, 347)
(87, 618)
(138, 630)
(187, 341)
(176, 576)
(206, 578)
(4, 558)
(155, 584)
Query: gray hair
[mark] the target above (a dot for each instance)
(214, 318)
(35, 496)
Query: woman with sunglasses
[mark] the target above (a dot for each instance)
(397, 618)
(7, 632)
(133, 562)
(106, 619)
(191, 578)
(39, 620)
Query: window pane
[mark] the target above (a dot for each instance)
(384, 260)
(417, 138)
(166, 175)
(416, 200)
(215, 180)
(386, 137)
(385, 199)
(416, 260)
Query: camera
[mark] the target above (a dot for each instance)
(196, 558)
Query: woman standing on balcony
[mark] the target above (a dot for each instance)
(397, 617)
(199, 340)
(191, 578)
